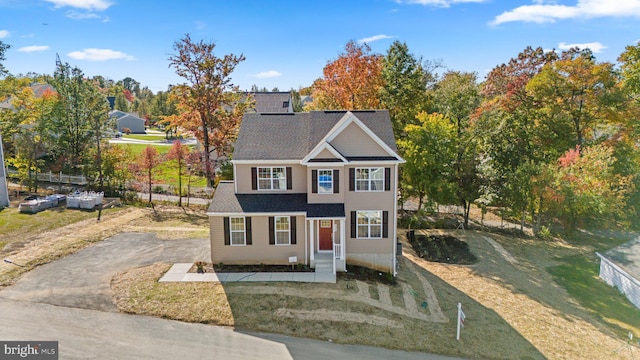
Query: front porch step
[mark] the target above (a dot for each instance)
(324, 264)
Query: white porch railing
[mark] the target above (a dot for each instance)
(337, 251)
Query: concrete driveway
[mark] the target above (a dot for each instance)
(82, 280)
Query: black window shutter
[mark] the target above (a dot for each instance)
(387, 179)
(292, 228)
(385, 224)
(352, 179)
(314, 181)
(272, 233)
(289, 179)
(247, 229)
(254, 178)
(353, 224)
(336, 181)
(227, 236)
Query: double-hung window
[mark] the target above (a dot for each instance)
(272, 178)
(325, 181)
(369, 224)
(282, 230)
(237, 231)
(370, 179)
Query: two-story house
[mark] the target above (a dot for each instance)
(310, 185)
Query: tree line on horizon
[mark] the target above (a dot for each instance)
(549, 138)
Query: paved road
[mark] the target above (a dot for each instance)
(68, 301)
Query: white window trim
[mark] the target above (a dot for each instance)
(368, 225)
(271, 178)
(319, 187)
(368, 180)
(244, 230)
(276, 231)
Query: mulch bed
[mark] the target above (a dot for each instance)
(223, 268)
(442, 249)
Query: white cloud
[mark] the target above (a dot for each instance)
(91, 5)
(545, 11)
(596, 47)
(94, 54)
(34, 48)
(439, 3)
(4, 34)
(76, 15)
(371, 39)
(268, 74)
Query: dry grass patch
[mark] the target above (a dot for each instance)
(37, 248)
(349, 312)
(137, 291)
(528, 299)
(171, 223)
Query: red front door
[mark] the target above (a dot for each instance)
(325, 235)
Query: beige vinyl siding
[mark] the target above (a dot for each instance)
(260, 252)
(353, 141)
(327, 198)
(242, 177)
(374, 253)
(325, 154)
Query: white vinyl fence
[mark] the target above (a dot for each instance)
(616, 276)
(56, 177)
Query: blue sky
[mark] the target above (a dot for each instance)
(287, 43)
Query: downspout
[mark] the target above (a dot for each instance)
(395, 222)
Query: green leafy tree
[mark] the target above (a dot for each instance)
(3, 48)
(209, 104)
(404, 87)
(514, 143)
(456, 96)
(74, 116)
(429, 149)
(121, 102)
(577, 93)
(29, 120)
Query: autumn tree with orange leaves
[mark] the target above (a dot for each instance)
(352, 81)
(179, 153)
(209, 104)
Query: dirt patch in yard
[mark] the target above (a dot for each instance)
(441, 248)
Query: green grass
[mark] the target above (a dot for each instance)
(137, 149)
(167, 173)
(12, 221)
(145, 137)
(579, 275)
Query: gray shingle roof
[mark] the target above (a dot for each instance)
(292, 136)
(271, 102)
(226, 201)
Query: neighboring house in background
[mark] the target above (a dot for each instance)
(272, 102)
(129, 121)
(310, 185)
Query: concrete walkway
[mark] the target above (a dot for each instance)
(180, 273)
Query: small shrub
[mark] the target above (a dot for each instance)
(544, 233)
